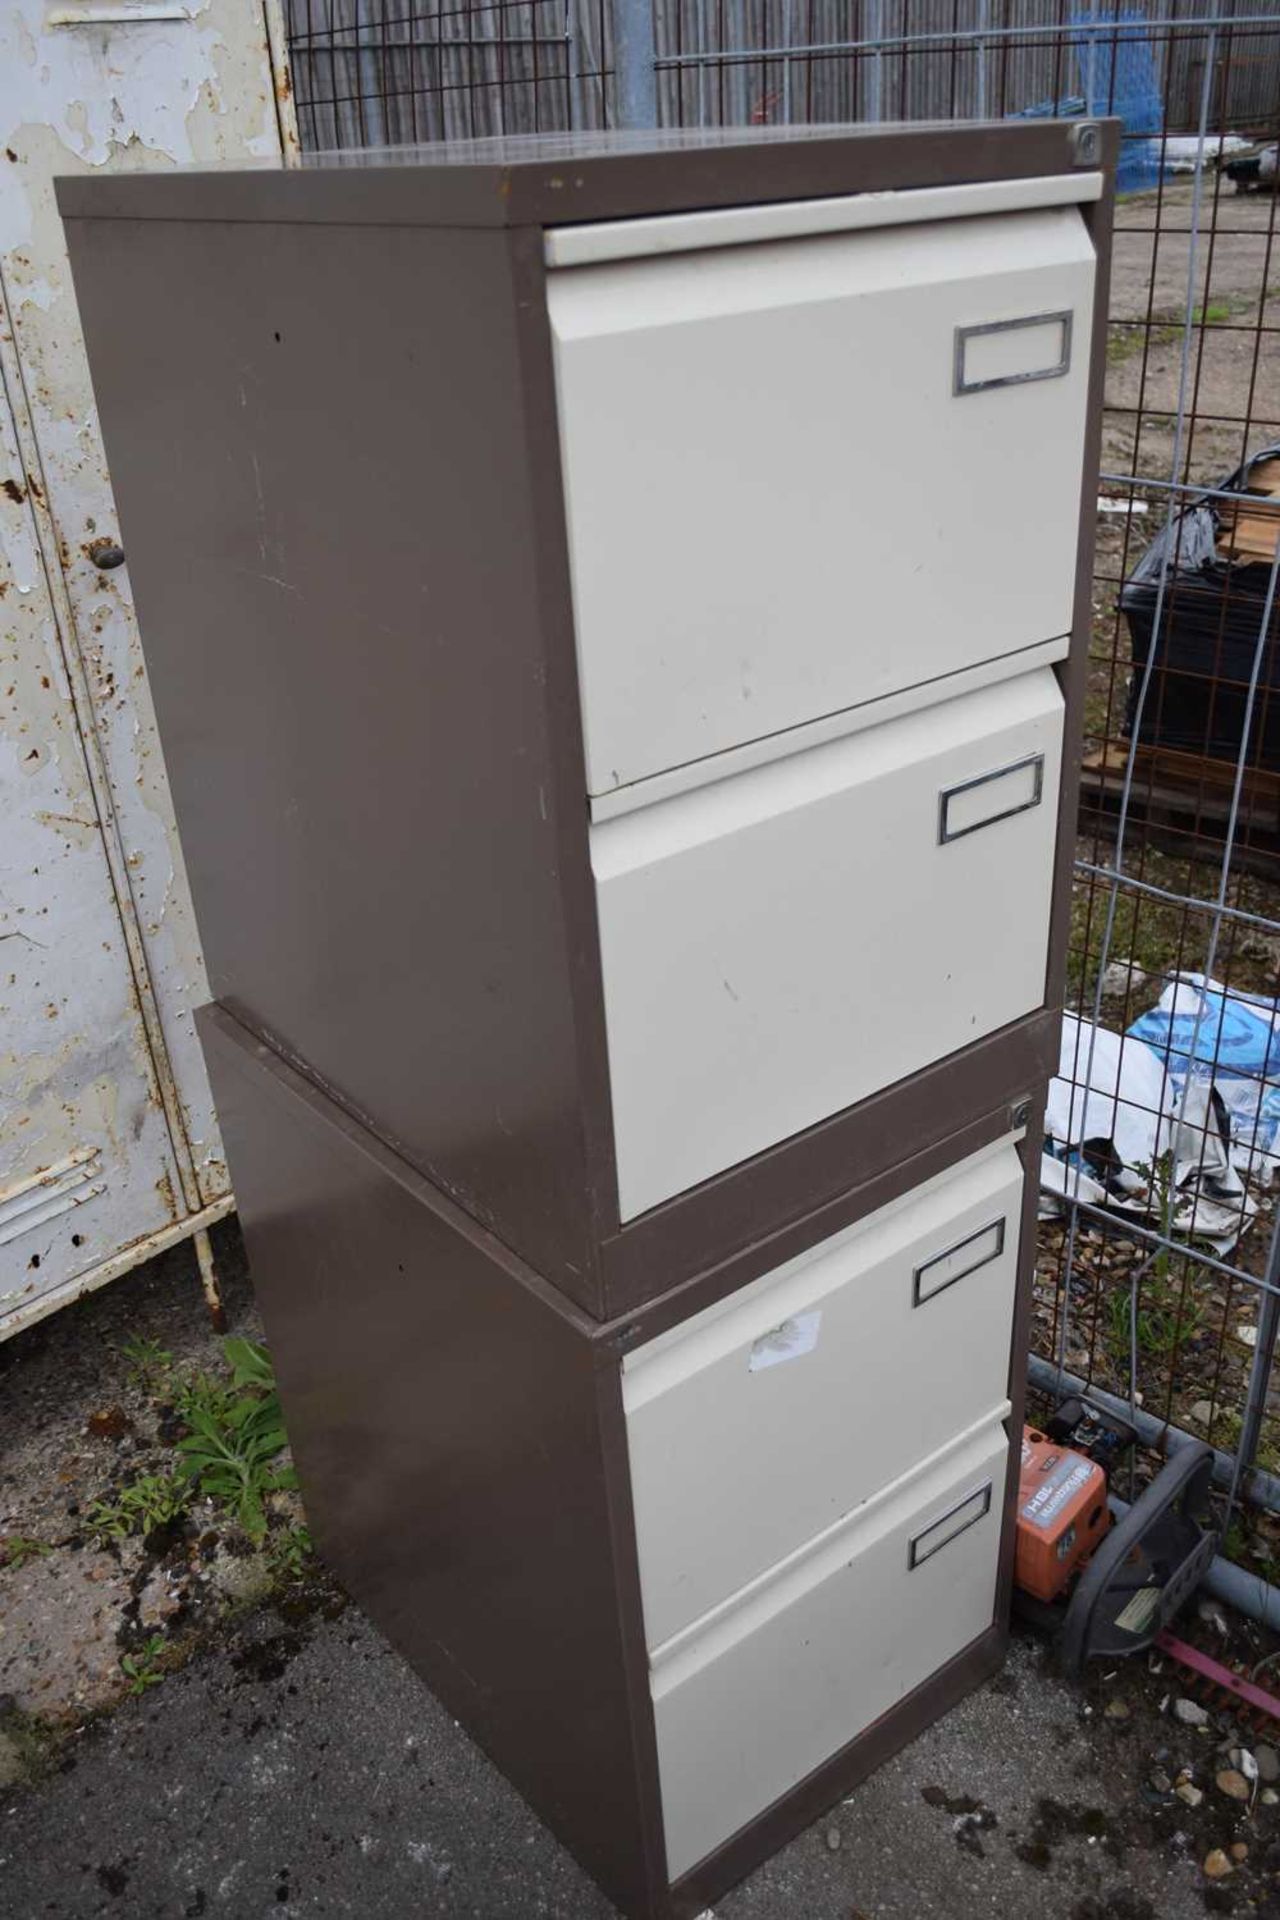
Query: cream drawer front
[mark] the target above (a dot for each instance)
(752, 1699)
(780, 462)
(754, 1426)
(780, 945)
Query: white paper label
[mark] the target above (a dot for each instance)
(1141, 1610)
(787, 1342)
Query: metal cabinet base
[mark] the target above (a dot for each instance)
(462, 1435)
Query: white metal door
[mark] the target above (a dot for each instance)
(782, 462)
(758, 1423)
(99, 920)
(85, 1153)
(779, 945)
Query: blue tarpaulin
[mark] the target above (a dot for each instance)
(1115, 59)
(1201, 1027)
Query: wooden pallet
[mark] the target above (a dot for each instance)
(1250, 530)
(1183, 801)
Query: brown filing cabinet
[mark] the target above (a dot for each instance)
(617, 610)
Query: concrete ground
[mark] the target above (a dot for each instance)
(289, 1758)
(306, 1768)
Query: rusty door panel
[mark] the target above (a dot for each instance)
(86, 1162)
(105, 1099)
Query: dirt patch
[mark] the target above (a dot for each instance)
(1233, 267)
(116, 1562)
(60, 1640)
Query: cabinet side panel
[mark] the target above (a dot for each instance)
(318, 440)
(445, 1415)
(1074, 672)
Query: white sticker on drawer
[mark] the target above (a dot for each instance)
(793, 1338)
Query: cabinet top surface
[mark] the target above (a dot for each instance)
(557, 179)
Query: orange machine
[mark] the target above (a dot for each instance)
(1062, 1514)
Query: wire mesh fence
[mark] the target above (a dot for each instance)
(1158, 1277)
(372, 73)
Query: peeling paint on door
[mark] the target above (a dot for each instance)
(108, 1139)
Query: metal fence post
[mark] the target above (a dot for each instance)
(875, 85)
(984, 21)
(1255, 1405)
(635, 73)
(372, 85)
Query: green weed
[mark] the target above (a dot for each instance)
(18, 1548)
(1126, 337)
(152, 1500)
(1226, 1431)
(229, 1454)
(237, 1434)
(290, 1552)
(200, 1396)
(1162, 1323)
(150, 1364)
(140, 1668)
(250, 1364)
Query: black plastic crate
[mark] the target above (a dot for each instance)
(1209, 623)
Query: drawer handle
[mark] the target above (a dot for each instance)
(990, 797)
(976, 1250)
(949, 1526)
(980, 370)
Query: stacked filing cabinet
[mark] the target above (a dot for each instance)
(617, 609)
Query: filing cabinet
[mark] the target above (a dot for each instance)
(617, 611)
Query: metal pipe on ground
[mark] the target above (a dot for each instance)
(1248, 1593)
(1260, 1488)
